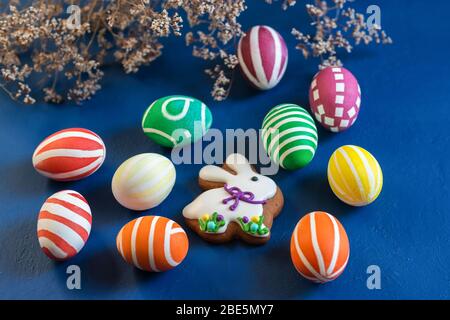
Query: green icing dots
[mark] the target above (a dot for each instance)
(211, 223)
(253, 226)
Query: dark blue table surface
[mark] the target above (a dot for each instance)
(403, 122)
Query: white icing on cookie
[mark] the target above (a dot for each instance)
(210, 201)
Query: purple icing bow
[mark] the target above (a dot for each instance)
(237, 195)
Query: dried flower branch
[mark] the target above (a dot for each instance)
(285, 3)
(336, 27)
(36, 40)
(216, 31)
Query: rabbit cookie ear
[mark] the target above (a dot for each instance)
(214, 174)
(238, 163)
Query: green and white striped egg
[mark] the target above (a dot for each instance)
(176, 121)
(289, 135)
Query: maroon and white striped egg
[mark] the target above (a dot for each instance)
(335, 98)
(64, 225)
(69, 154)
(263, 57)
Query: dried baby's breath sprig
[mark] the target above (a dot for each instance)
(215, 33)
(67, 61)
(337, 26)
(285, 4)
(37, 40)
(222, 83)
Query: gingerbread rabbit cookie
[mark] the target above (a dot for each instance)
(238, 203)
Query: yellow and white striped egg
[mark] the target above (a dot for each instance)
(355, 175)
(143, 181)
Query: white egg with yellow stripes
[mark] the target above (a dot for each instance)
(355, 175)
(143, 181)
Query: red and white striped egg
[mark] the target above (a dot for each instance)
(263, 57)
(70, 154)
(64, 225)
(335, 98)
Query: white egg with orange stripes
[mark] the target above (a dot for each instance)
(263, 57)
(70, 154)
(319, 247)
(152, 243)
(64, 225)
(142, 182)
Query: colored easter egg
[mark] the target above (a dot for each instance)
(319, 247)
(175, 121)
(143, 181)
(355, 175)
(152, 243)
(263, 57)
(69, 154)
(335, 98)
(289, 136)
(64, 225)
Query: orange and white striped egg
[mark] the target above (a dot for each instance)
(355, 175)
(69, 154)
(319, 247)
(64, 225)
(152, 243)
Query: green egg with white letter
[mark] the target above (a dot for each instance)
(176, 121)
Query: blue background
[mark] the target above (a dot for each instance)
(403, 122)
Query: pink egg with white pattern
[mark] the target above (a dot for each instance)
(335, 98)
(263, 57)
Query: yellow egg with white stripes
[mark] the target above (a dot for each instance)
(143, 181)
(355, 175)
